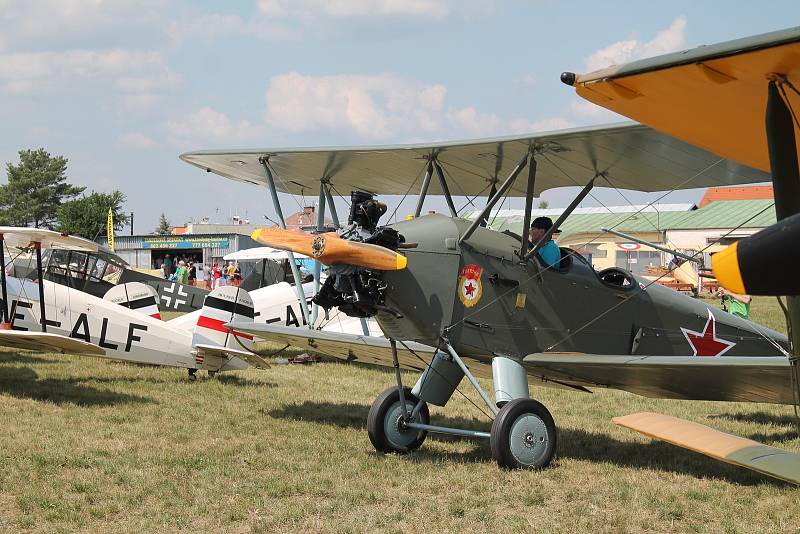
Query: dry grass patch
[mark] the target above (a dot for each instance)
(90, 445)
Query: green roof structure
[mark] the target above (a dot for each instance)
(717, 215)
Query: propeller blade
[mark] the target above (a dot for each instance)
(764, 263)
(331, 249)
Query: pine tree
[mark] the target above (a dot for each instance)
(163, 225)
(36, 187)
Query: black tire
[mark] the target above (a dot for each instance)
(523, 435)
(382, 423)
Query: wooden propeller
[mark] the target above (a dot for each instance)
(331, 249)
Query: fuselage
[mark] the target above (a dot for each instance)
(487, 302)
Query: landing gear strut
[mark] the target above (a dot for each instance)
(523, 434)
(192, 375)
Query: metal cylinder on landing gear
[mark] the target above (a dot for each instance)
(510, 380)
(439, 380)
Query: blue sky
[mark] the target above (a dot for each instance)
(122, 87)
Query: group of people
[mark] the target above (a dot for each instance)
(229, 274)
(190, 271)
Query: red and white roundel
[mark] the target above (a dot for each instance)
(469, 285)
(628, 246)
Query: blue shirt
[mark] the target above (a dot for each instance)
(550, 254)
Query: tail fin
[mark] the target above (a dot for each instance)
(224, 305)
(136, 296)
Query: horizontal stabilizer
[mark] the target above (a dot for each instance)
(735, 450)
(207, 351)
(46, 342)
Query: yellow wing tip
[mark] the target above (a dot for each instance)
(256, 234)
(725, 265)
(402, 261)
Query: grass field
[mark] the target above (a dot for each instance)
(91, 445)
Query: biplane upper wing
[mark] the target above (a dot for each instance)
(47, 342)
(711, 96)
(631, 155)
(723, 378)
(17, 237)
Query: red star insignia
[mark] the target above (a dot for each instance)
(469, 289)
(706, 343)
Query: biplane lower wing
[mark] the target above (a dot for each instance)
(373, 350)
(719, 445)
(46, 342)
(733, 378)
(365, 349)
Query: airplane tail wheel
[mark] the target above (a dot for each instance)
(523, 435)
(385, 424)
(192, 375)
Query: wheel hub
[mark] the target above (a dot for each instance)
(529, 439)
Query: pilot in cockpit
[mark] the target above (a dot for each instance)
(549, 254)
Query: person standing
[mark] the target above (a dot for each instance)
(216, 274)
(200, 274)
(182, 273)
(735, 304)
(167, 266)
(192, 274)
(237, 274)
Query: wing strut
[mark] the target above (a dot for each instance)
(317, 264)
(445, 189)
(497, 196)
(423, 192)
(526, 239)
(3, 279)
(40, 277)
(276, 203)
(567, 212)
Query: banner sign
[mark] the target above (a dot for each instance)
(185, 241)
(110, 230)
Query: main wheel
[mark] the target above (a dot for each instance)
(385, 424)
(523, 435)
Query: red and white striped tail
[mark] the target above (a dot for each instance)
(224, 305)
(136, 296)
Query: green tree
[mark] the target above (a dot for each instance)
(543, 204)
(87, 216)
(36, 187)
(163, 225)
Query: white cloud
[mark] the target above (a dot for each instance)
(59, 24)
(135, 140)
(377, 108)
(208, 126)
(214, 27)
(127, 70)
(668, 40)
(309, 9)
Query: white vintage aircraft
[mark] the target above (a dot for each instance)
(126, 325)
